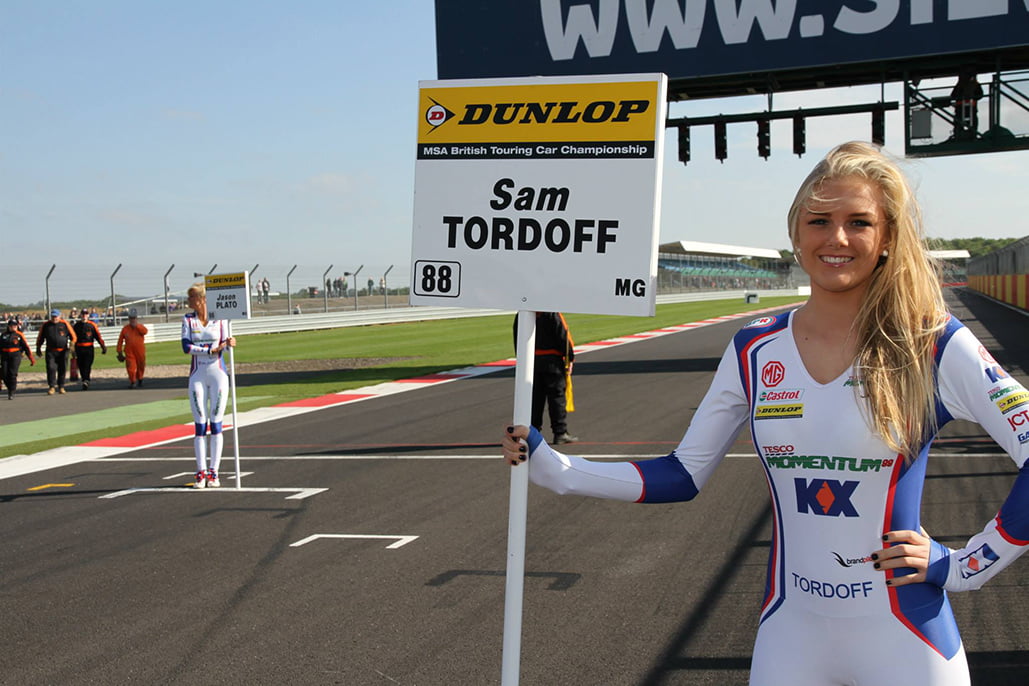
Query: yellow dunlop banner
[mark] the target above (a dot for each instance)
(620, 113)
(226, 280)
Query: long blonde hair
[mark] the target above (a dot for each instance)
(903, 312)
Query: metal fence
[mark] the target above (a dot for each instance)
(158, 292)
(1011, 259)
(172, 331)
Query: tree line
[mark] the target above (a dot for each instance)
(976, 247)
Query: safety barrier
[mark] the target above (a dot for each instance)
(1012, 289)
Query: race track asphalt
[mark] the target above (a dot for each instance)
(394, 573)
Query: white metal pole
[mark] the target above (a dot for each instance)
(235, 423)
(48, 305)
(519, 502)
(167, 314)
(289, 293)
(113, 305)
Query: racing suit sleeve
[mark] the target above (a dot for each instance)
(974, 387)
(24, 345)
(99, 338)
(188, 346)
(677, 476)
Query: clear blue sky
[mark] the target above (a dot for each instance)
(240, 132)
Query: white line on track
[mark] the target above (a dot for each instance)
(400, 540)
(298, 493)
(189, 475)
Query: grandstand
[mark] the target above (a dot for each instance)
(954, 265)
(694, 265)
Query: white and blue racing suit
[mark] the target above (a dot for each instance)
(208, 385)
(828, 616)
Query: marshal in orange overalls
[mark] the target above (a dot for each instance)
(132, 350)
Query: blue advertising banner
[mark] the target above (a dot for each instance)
(690, 39)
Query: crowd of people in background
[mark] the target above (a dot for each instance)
(669, 280)
(262, 290)
(336, 288)
(31, 320)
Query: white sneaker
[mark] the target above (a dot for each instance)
(212, 479)
(200, 480)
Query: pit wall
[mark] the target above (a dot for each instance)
(1012, 289)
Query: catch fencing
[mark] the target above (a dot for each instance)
(172, 331)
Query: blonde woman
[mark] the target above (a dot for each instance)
(871, 367)
(205, 338)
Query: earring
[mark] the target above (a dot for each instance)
(796, 255)
(886, 253)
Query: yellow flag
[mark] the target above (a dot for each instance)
(569, 395)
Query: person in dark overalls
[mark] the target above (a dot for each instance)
(554, 357)
(12, 345)
(87, 335)
(60, 341)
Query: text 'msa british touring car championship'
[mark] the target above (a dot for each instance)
(539, 194)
